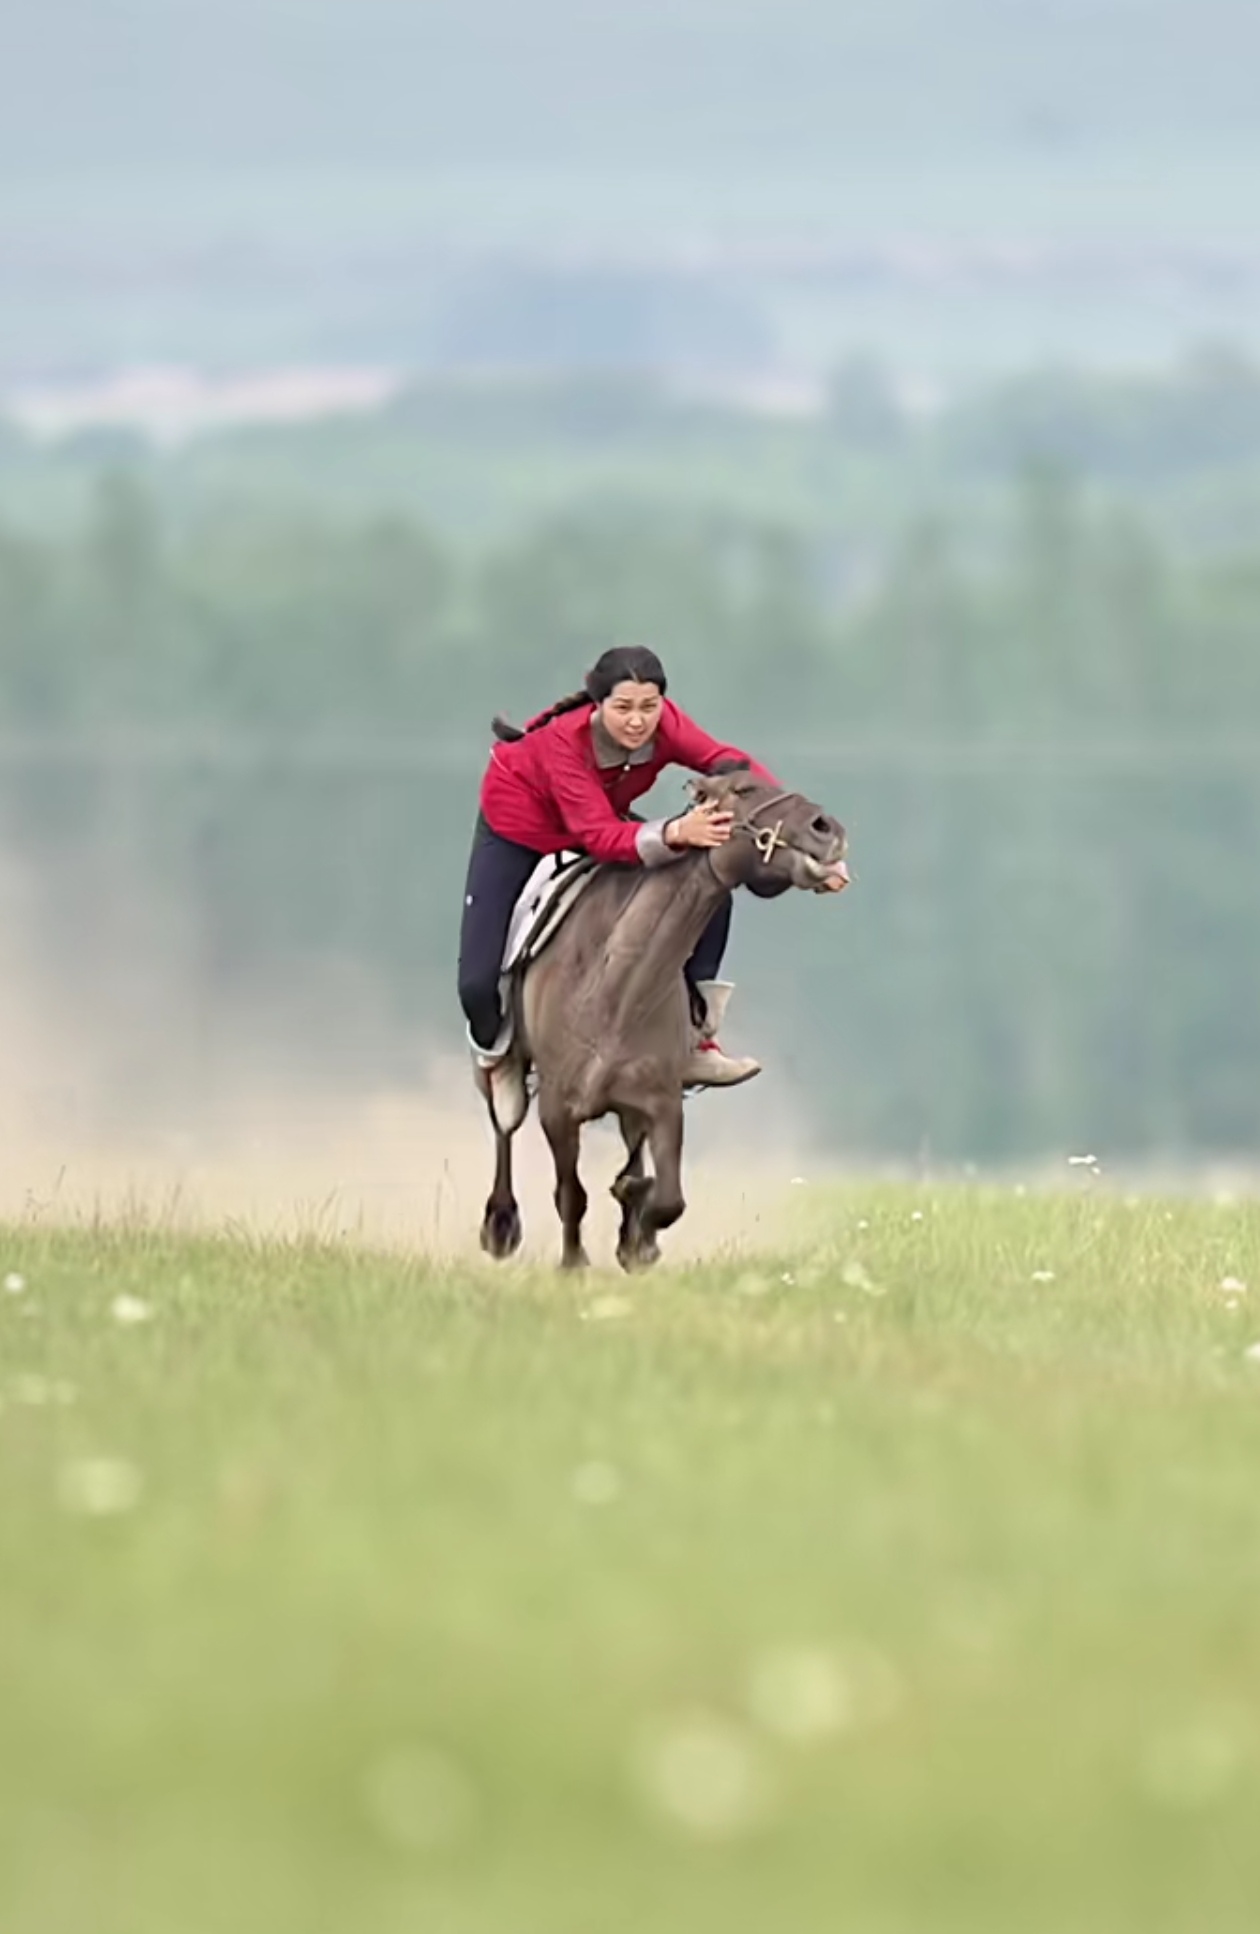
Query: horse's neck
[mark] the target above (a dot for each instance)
(655, 934)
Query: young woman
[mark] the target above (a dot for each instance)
(569, 782)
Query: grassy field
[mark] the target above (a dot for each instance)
(908, 1580)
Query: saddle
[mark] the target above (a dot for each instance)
(549, 896)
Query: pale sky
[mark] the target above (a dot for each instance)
(248, 181)
(138, 84)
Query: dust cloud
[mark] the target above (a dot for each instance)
(393, 1170)
(118, 1107)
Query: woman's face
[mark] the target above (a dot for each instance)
(631, 714)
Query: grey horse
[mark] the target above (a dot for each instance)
(604, 1015)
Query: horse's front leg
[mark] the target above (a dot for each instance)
(501, 1224)
(635, 1248)
(563, 1132)
(666, 1203)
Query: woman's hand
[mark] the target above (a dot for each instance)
(704, 825)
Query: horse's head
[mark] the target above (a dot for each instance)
(779, 839)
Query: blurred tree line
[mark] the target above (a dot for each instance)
(479, 458)
(266, 733)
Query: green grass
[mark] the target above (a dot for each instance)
(907, 1594)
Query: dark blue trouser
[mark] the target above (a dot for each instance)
(497, 872)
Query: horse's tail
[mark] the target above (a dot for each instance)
(505, 731)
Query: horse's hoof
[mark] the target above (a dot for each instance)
(578, 1260)
(501, 1232)
(637, 1256)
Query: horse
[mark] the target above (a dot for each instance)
(604, 1014)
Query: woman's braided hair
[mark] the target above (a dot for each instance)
(634, 663)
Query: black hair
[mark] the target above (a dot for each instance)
(634, 663)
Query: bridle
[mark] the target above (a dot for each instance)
(767, 839)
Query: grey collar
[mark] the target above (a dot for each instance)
(609, 754)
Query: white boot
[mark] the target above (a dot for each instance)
(707, 1066)
(501, 1079)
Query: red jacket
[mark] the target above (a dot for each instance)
(546, 791)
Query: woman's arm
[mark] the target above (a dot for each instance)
(591, 822)
(587, 813)
(690, 746)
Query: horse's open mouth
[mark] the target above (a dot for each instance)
(831, 878)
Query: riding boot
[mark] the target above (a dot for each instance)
(501, 1080)
(707, 1066)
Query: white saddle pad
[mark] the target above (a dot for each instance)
(555, 884)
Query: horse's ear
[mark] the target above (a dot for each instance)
(505, 731)
(710, 785)
(714, 787)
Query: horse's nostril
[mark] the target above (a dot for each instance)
(821, 824)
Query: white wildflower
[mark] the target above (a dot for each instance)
(1195, 1765)
(705, 1774)
(800, 1693)
(595, 1483)
(1042, 1276)
(130, 1309)
(916, 1215)
(14, 1283)
(807, 1692)
(606, 1309)
(100, 1487)
(1232, 1286)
